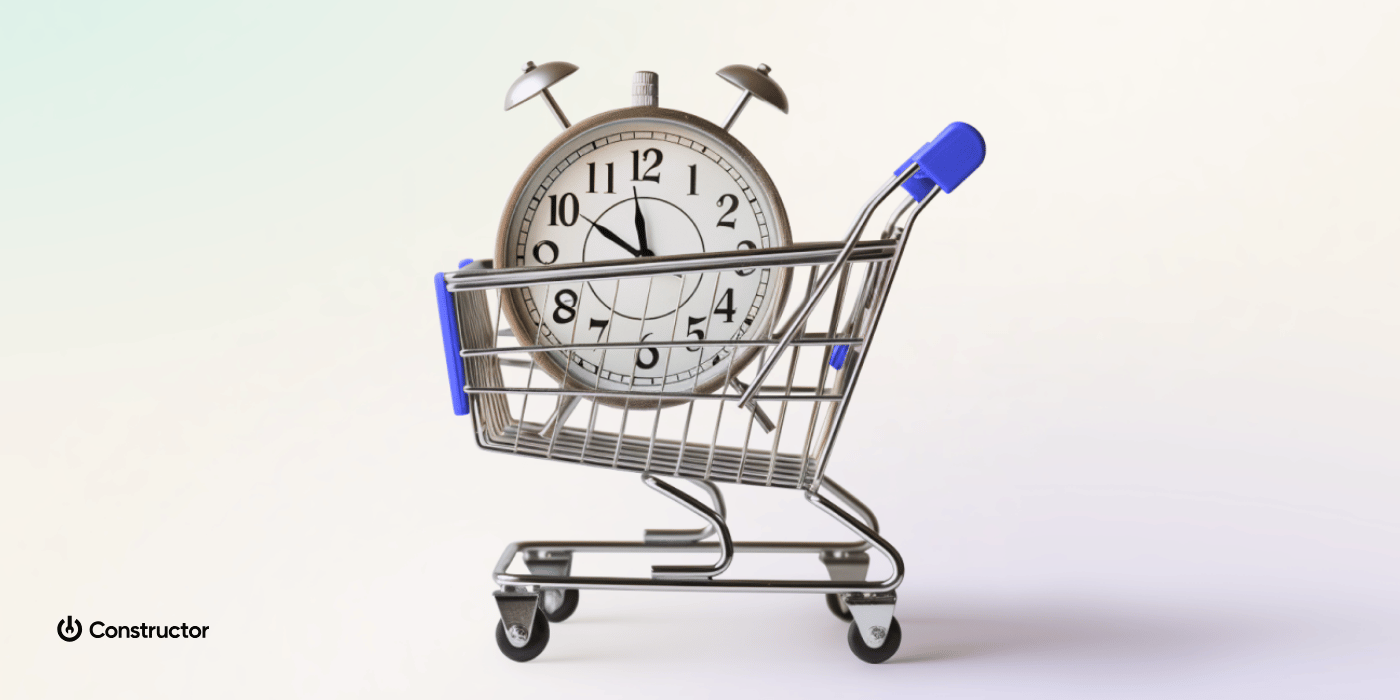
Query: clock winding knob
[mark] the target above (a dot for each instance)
(644, 89)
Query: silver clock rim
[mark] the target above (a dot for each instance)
(513, 301)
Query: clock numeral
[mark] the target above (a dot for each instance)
(563, 209)
(655, 356)
(726, 305)
(549, 246)
(699, 334)
(692, 179)
(598, 323)
(637, 158)
(745, 245)
(593, 176)
(733, 205)
(564, 312)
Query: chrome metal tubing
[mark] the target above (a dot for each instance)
(714, 521)
(798, 320)
(679, 395)
(879, 308)
(869, 539)
(565, 347)
(798, 255)
(657, 536)
(853, 503)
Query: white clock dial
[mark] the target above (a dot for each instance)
(631, 185)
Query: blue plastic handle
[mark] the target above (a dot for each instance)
(452, 345)
(945, 161)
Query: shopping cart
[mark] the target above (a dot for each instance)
(773, 424)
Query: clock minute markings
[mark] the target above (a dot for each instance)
(649, 165)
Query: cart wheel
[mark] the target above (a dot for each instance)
(565, 609)
(838, 608)
(880, 654)
(539, 637)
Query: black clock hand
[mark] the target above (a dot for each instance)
(608, 234)
(641, 224)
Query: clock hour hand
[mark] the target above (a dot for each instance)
(641, 224)
(608, 234)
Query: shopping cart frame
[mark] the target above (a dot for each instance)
(548, 592)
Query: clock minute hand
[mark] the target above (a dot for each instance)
(641, 223)
(608, 234)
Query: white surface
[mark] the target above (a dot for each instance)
(1156, 339)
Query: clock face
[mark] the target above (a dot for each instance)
(631, 185)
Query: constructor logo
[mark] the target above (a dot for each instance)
(69, 630)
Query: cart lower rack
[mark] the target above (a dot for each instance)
(772, 422)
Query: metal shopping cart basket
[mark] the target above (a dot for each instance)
(773, 424)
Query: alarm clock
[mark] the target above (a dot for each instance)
(633, 184)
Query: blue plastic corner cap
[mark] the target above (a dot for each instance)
(952, 155)
(838, 356)
(463, 263)
(452, 347)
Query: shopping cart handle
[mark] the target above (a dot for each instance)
(945, 161)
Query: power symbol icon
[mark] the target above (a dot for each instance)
(71, 631)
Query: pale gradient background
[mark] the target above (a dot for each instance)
(1134, 417)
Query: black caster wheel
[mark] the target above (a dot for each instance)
(565, 609)
(539, 637)
(838, 608)
(880, 654)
